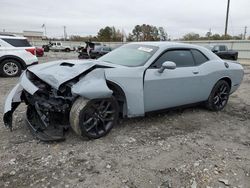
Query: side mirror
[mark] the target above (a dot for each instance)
(167, 65)
(215, 51)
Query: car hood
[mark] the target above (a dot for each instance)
(58, 72)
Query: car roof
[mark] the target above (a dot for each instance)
(11, 37)
(163, 44)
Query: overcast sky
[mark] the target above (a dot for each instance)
(84, 17)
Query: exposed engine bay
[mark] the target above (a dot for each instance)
(48, 110)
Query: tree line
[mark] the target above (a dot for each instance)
(142, 32)
(147, 32)
(210, 36)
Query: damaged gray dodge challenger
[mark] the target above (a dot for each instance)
(90, 95)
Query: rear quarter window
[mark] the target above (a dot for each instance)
(199, 57)
(17, 42)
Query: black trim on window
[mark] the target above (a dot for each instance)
(195, 60)
(171, 49)
(17, 42)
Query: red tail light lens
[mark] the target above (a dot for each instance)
(31, 50)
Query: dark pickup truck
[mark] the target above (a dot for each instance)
(223, 52)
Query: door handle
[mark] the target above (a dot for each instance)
(195, 72)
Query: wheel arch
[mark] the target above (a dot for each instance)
(210, 103)
(120, 96)
(225, 78)
(228, 80)
(21, 61)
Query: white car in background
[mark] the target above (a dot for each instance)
(57, 47)
(16, 54)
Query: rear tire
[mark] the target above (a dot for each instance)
(235, 57)
(10, 68)
(67, 50)
(219, 96)
(93, 118)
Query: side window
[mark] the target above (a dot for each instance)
(216, 48)
(222, 48)
(17, 42)
(182, 58)
(106, 49)
(199, 57)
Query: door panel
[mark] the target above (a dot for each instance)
(172, 88)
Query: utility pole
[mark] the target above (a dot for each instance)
(209, 33)
(245, 33)
(65, 33)
(45, 31)
(228, 5)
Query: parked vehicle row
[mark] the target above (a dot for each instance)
(97, 50)
(93, 51)
(16, 53)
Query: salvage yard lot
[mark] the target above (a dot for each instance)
(181, 148)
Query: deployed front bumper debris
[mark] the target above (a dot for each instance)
(11, 103)
(41, 130)
(48, 110)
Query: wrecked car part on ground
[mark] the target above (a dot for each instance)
(130, 81)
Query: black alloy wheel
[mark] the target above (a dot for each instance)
(219, 96)
(95, 118)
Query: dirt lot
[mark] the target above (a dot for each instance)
(184, 148)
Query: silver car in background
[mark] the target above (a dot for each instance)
(137, 78)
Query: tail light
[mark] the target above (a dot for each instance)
(31, 50)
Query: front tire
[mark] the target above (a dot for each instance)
(219, 96)
(94, 118)
(45, 48)
(10, 68)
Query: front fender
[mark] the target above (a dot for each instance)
(92, 86)
(14, 98)
(11, 103)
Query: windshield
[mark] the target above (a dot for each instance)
(130, 55)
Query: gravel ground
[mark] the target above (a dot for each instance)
(184, 148)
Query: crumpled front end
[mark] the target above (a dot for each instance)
(48, 106)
